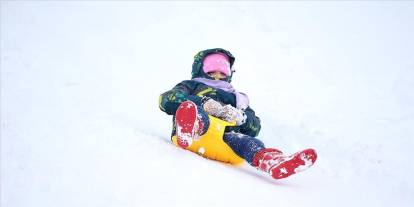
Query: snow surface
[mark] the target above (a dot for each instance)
(80, 124)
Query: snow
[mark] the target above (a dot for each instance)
(80, 123)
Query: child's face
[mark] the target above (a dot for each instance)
(217, 75)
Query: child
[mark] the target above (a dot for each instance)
(209, 92)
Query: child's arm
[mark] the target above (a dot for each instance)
(252, 125)
(170, 100)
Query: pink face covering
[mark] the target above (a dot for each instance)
(216, 62)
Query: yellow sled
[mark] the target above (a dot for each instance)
(211, 144)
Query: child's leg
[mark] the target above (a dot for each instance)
(269, 160)
(191, 122)
(203, 118)
(243, 145)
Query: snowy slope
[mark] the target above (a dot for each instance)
(80, 124)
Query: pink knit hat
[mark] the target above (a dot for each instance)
(217, 62)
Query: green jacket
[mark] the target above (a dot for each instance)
(193, 91)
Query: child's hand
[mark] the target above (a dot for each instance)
(227, 112)
(212, 107)
(231, 114)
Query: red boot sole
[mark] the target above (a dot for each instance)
(185, 119)
(293, 164)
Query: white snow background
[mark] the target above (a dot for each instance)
(80, 81)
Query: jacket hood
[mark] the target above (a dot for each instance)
(197, 71)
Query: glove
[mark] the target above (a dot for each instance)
(212, 107)
(226, 113)
(231, 114)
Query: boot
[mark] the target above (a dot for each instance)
(281, 166)
(189, 124)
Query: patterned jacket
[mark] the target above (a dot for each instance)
(192, 90)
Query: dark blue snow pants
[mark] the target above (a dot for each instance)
(243, 145)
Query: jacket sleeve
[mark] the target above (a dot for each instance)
(170, 100)
(252, 125)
